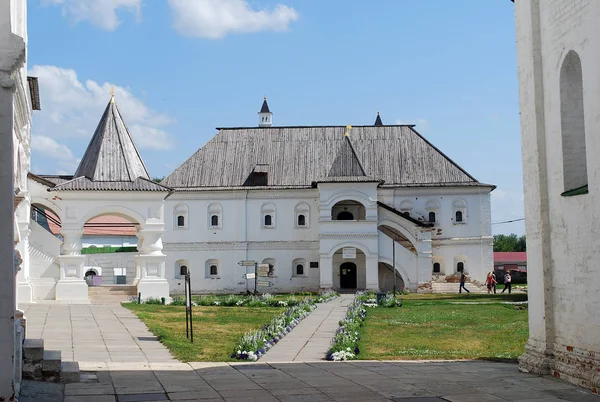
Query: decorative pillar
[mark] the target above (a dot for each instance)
(71, 286)
(326, 272)
(150, 264)
(424, 255)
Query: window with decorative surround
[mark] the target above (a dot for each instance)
(181, 268)
(268, 216)
(212, 269)
(302, 211)
(299, 267)
(180, 216)
(215, 216)
(433, 209)
(459, 215)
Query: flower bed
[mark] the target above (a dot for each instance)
(389, 300)
(345, 341)
(254, 344)
(266, 300)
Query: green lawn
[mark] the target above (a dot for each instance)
(216, 329)
(434, 327)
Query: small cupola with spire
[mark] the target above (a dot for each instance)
(378, 122)
(265, 117)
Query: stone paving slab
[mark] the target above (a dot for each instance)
(322, 381)
(311, 339)
(94, 333)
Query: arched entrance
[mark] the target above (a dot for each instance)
(348, 210)
(348, 275)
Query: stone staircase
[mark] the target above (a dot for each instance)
(111, 294)
(47, 365)
(448, 287)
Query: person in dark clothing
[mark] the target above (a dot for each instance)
(507, 282)
(463, 279)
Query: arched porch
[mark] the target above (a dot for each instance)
(349, 266)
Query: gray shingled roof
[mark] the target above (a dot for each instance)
(112, 154)
(378, 121)
(299, 156)
(85, 184)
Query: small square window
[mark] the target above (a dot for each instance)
(314, 264)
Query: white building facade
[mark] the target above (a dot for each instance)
(325, 207)
(558, 45)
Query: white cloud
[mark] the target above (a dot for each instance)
(60, 154)
(215, 19)
(101, 13)
(421, 124)
(71, 110)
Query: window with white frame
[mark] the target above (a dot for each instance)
(181, 268)
(180, 216)
(438, 265)
(299, 267)
(212, 268)
(459, 212)
(433, 209)
(302, 211)
(215, 216)
(268, 216)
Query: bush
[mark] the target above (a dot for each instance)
(152, 301)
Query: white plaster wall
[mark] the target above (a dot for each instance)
(567, 265)
(229, 279)
(109, 241)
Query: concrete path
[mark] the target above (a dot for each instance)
(311, 339)
(473, 381)
(91, 334)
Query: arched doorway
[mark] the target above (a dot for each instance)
(348, 275)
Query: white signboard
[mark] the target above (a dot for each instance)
(349, 252)
(250, 276)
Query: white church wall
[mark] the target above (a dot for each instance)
(562, 247)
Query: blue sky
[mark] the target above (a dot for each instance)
(180, 68)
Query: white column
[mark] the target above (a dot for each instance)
(326, 272)
(372, 268)
(71, 286)
(150, 263)
(7, 237)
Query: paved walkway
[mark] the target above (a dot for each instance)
(311, 339)
(475, 381)
(92, 334)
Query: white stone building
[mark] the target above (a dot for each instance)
(297, 197)
(292, 197)
(558, 45)
(18, 96)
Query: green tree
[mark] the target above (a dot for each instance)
(158, 179)
(510, 242)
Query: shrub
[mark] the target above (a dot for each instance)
(345, 341)
(152, 301)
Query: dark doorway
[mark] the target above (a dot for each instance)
(348, 275)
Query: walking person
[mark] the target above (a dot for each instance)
(507, 282)
(495, 281)
(490, 282)
(463, 279)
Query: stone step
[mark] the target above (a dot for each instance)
(69, 372)
(33, 350)
(51, 362)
